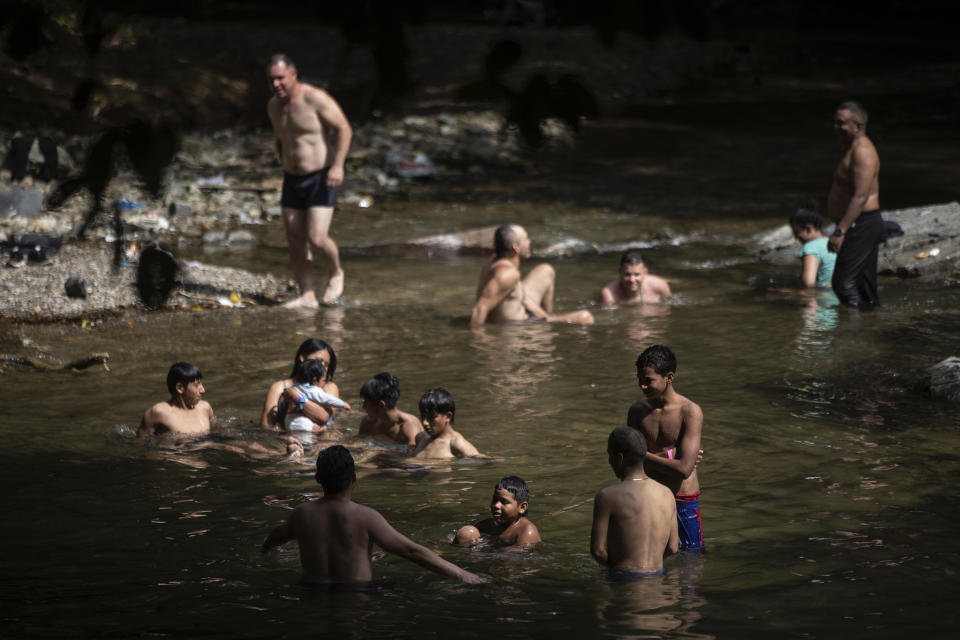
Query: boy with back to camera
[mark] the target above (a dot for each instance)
(507, 525)
(310, 376)
(671, 425)
(634, 522)
(336, 535)
(438, 440)
(380, 395)
(634, 285)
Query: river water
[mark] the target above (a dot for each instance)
(826, 500)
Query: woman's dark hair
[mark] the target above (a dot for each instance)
(312, 346)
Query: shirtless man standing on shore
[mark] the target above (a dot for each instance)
(671, 425)
(304, 118)
(854, 204)
(502, 296)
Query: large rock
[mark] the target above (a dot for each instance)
(942, 380)
(929, 246)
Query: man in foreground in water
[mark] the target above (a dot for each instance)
(336, 535)
(502, 296)
(304, 117)
(635, 285)
(671, 425)
(634, 522)
(854, 204)
(186, 412)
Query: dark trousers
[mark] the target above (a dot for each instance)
(855, 274)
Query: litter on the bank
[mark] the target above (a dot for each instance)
(126, 205)
(215, 181)
(418, 166)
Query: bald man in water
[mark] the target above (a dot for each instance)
(854, 204)
(304, 119)
(503, 296)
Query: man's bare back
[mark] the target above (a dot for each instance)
(636, 521)
(336, 535)
(506, 276)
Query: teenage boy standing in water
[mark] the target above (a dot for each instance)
(336, 535)
(634, 522)
(671, 425)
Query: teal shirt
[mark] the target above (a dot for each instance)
(818, 247)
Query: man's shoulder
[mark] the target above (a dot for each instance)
(688, 407)
(863, 149)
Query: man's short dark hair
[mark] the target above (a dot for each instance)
(281, 58)
(631, 257)
(382, 386)
(184, 373)
(516, 486)
(311, 372)
(504, 238)
(855, 108)
(630, 443)
(335, 469)
(437, 401)
(807, 214)
(659, 357)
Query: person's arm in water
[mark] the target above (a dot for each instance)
(688, 448)
(392, 541)
(661, 287)
(148, 424)
(501, 282)
(335, 121)
(863, 167)
(809, 275)
(607, 296)
(673, 545)
(601, 524)
(280, 535)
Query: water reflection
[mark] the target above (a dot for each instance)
(660, 604)
(515, 358)
(820, 317)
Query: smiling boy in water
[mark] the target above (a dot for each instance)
(635, 285)
(672, 425)
(438, 440)
(507, 524)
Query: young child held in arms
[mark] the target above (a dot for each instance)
(818, 260)
(438, 439)
(508, 525)
(311, 375)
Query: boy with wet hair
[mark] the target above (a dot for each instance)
(438, 440)
(508, 525)
(186, 412)
(380, 394)
(817, 259)
(336, 535)
(634, 521)
(635, 285)
(672, 425)
(311, 374)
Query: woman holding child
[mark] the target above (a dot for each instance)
(312, 349)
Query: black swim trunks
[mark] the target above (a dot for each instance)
(310, 190)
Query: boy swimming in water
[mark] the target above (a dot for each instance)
(635, 285)
(380, 394)
(508, 525)
(311, 374)
(186, 412)
(336, 535)
(672, 425)
(438, 440)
